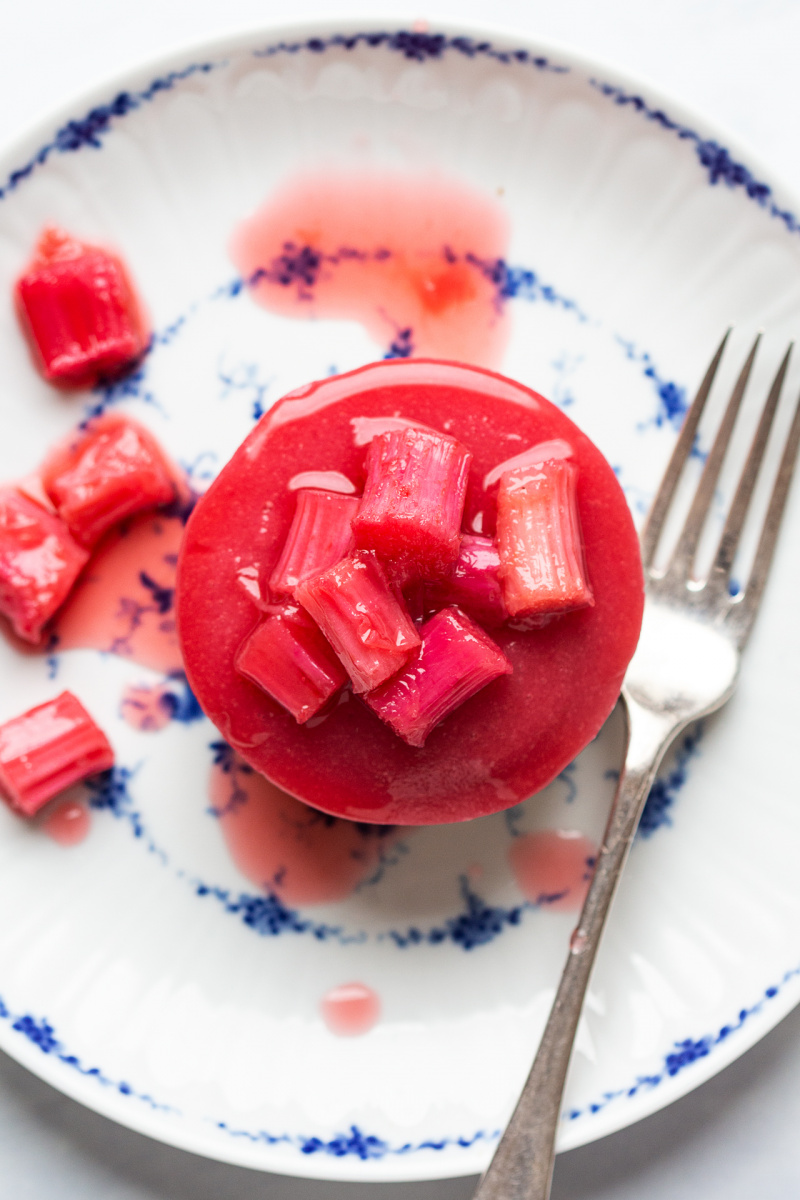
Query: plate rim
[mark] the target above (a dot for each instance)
(189, 1137)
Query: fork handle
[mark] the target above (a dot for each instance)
(522, 1167)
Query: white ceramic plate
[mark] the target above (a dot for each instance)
(140, 972)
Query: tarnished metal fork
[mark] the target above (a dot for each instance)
(685, 666)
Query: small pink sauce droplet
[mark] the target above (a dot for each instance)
(146, 708)
(408, 256)
(350, 1009)
(123, 603)
(285, 847)
(553, 867)
(68, 824)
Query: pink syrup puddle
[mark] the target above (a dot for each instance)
(285, 847)
(147, 708)
(123, 603)
(408, 256)
(350, 1009)
(68, 824)
(553, 867)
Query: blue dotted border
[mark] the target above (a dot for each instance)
(355, 1143)
(716, 160)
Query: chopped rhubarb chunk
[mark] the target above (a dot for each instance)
(108, 471)
(456, 659)
(39, 563)
(539, 538)
(362, 618)
(320, 535)
(47, 749)
(80, 311)
(287, 657)
(474, 582)
(413, 500)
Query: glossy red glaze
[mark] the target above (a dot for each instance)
(516, 734)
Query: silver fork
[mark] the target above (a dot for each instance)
(685, 666)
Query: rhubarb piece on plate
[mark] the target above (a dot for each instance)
(413, 501)
(47, 749)
(319, 536)
(539, 537)
(289, 659)
(362, 618)
(39, 563)
(80, 311)
(106, 472)
(456, 659)
(474, 582)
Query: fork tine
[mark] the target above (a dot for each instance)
(686, 548)
(731, 533)
(658, 509)
(744, 611)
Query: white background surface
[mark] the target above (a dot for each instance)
(736, 60)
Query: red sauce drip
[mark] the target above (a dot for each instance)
(553, 867)
(407, 256)
(68, 824)
(123, 603)
(146, 708)
(285, 847)
(350, 1009)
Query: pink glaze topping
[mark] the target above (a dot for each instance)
(147, 707)
(351, 1009)
(410, 257)
(285, 847)
(124, 602)
(553, 867)
(68, 824)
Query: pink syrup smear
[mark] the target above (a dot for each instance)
(409, 256)
(147, 708)
(553, 867)
(68, 824)
(350, 1009)
(285, 847)
(123, 603)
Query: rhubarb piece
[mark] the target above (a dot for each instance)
(456, 659)
(80, 311)
(319, 536)
(413, 501)
(289, 659)
(39, 563)
(509, 740)
(474, 582)
(47, 749)
(362, 618)
(539, 538)
(108, 471)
